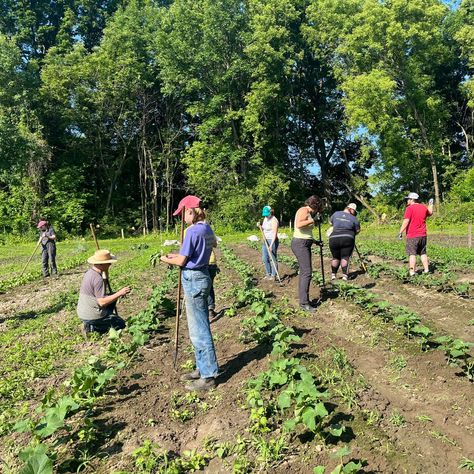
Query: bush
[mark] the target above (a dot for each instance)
(455, 213)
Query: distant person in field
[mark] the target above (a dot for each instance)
(48, 248)
(414, 223)
(95, 308)
(193, 258)
(345, 226)
(301, 247)
(269, 227)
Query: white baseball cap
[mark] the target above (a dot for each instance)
(412, 196)
(352, 206)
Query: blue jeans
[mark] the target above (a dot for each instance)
(269, 269)
(196, 286)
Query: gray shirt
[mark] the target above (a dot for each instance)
(49, 232)
(92, 287)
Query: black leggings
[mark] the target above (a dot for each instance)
(341, 247)
(341, 250)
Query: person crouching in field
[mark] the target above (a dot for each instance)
(342, 239)
(194, 258)
(414, 223)
(48, 248)
(95, 308)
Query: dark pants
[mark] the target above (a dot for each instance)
(302, 250)
(211, 300)
(48, 254)
(103, 325)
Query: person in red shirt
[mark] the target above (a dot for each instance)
(414, 222)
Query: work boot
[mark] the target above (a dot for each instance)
(194, 375)
(212, 315)
(308, 307)
(201, 385)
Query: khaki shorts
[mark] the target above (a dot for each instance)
(416, 246)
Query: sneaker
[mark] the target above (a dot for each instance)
(426, 271)
(201, 384)
(195, 375)
(307, 307)
(267, 277)
(333, 276)
(412, 273)
(345, 277)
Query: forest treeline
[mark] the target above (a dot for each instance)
(110, 111)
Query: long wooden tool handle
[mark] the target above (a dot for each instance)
(94, 237)
(178, 300)
(105, 275)
(362, 264)
(31, 256)
(270, 254)
(321, 251)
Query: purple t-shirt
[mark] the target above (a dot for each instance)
(197, 245)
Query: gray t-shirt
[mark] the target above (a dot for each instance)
(49, 233)
(92, 287)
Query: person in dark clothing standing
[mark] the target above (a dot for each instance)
(48, 247)
(342, 239)
(301, 247)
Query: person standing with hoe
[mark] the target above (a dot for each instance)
(48, 248)
(301, 247)
(414, 223)
(193, 258)
(269, 228)
(345, 226)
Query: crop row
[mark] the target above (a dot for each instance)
(445, 282)
(64, 420)
(457, 351)
(286, 397)
(450, 257)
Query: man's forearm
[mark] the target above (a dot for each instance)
(109, 299)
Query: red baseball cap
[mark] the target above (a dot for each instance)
(41, 224)
(187, 202)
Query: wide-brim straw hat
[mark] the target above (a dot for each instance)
(102, 256)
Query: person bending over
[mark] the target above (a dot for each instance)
(342, 239)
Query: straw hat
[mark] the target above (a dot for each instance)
(102, 256)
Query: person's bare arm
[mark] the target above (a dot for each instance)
(106, 300)
(174, 259)
(274, 232)
(404, 226)
(301, 221)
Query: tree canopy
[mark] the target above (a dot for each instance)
(111, 111)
